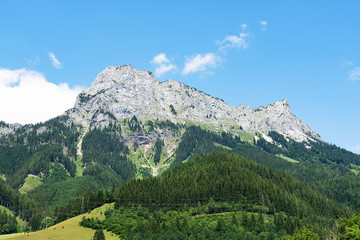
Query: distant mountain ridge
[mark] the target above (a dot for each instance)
(121, 92)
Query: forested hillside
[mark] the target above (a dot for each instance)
(41, 162)
(220, 195)
(55, 170)
(331, 175)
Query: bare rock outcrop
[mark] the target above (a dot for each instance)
(121, 92)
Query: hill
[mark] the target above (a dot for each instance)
(128, 125)
(219, 187)
(68, 229)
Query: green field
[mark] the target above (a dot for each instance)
(287, 158)
(31, 182)
(68, 229)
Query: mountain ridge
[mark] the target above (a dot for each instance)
(128, 125)
(122, 92)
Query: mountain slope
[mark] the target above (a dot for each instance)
(68, 229)
(218, 187)
(128, 125)
(134, 111)
(224, 177)
(122, 92)
(140, 111)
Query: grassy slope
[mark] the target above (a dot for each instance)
(66, 230)
(31, 182)
(287, 158)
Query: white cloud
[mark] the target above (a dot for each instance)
(234, 41)
(27, 97)
(160, 58)
(162, 69)
(200, 63)
(354, 74)
(163, 64)
(243, 26)
(54, 61)
(263, 25)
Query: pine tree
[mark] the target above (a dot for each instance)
(252, 224)
(211, 205)
(244, 220)
(177, 223)
(219, 226)
(234, 220)
(261, 219)
(99, 235)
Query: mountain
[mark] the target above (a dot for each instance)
(122, 92)
(134, 124)
(127, 125)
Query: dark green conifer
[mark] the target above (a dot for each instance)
(99, 235)
(234, 220)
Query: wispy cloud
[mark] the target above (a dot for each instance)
(346, 63)
(30, 98)
(234, 41)
(354, 74)
(243, 26)
(54, 61)
(203, 62)
(160, 58)
(200, 62)
(162, 69)
(263, 24)
(33, 61)
(163, 64)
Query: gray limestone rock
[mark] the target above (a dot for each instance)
(120, 92)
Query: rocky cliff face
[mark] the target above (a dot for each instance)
(121, 92)
(7, 129)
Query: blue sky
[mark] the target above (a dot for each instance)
(244, 52)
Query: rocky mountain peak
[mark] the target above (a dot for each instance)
(125, 74)
(283, 106)
(120, 92)
(279, 106)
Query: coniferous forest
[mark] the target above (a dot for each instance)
(216, 185)
(177, 120)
